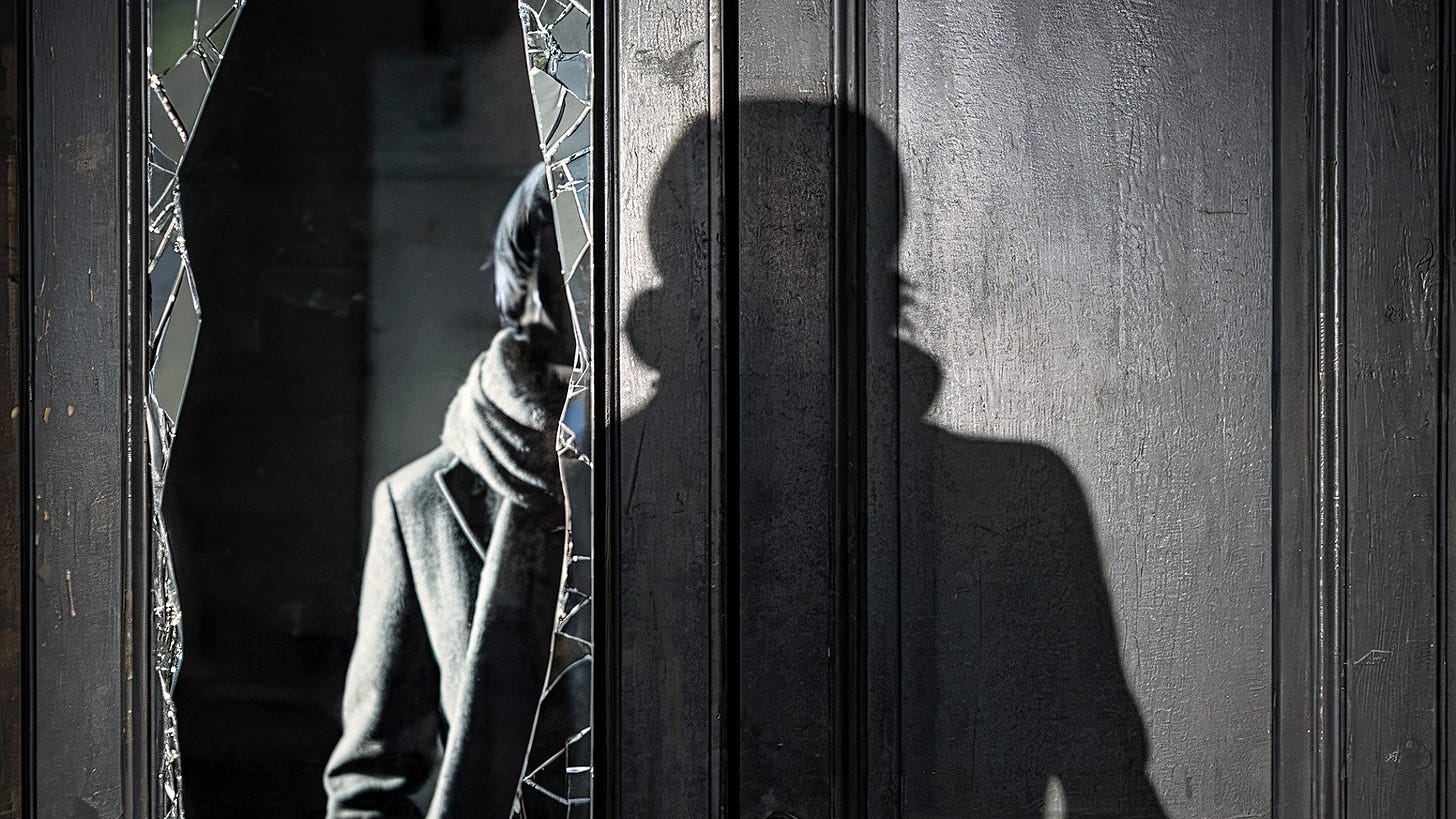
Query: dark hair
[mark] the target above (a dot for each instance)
(526, 254)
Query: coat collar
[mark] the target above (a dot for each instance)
(466, 493)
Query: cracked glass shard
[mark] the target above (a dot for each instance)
(176, 342)
(549, 97)
(569, 117)
(165, 137)
(223, 15)
(180, 97)
(163, 273)
(574, 73)
(535, 7)
(161, 226)
(577, 170)
(578, 288)
(161, 196)
(558, 43)
(583, 201)
(556, 777)
(186, 42)
(570, 229)
(572, 32)
(576, 139)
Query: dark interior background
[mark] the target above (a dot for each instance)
(339, 201)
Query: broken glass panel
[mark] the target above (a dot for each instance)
(557, 777)
(187, 39)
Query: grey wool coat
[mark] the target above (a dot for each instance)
(456, 612)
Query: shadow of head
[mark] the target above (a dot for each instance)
(786, 180)
(784, 177)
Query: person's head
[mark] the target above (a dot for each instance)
(529, 288)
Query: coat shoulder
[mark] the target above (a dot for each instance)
(415, 481)
(439, 504)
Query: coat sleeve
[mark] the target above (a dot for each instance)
(391, 692)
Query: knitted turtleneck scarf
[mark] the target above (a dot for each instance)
(502, 422)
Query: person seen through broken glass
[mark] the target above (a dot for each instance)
(463, 566)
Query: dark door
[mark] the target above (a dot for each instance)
(1030, 409)
(1007, 409)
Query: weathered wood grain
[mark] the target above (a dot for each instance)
(12, 308)
(660, 423)
(82, 414)
(1393, 291)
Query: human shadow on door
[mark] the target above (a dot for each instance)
(1009, 673)
(1010, 670)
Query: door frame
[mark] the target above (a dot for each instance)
(89, 705)
(87, 726)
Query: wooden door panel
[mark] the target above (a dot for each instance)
(1088, 246)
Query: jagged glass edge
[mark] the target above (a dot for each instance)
(542, 56)
(161, 428)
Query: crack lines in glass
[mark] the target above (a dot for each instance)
(189, 39)
(556, 779)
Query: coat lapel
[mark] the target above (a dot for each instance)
(491, 696)
(465, 491)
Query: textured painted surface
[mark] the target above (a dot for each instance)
(787, 408)
(661, 452)
(78, 428)
(787, 506)
(12, 509)
(1394, 333)
(1088, 240)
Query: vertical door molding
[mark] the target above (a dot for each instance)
(877, 68)
(1446, 518)
(85, 578)
(606, 641)
(12, 308)
(660, 512)
(1363, 268)
(1308, 372)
